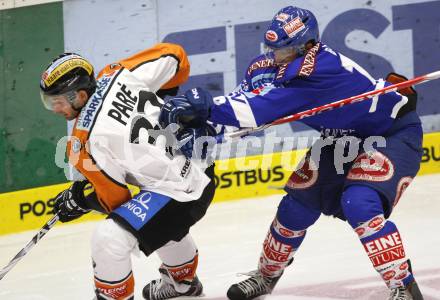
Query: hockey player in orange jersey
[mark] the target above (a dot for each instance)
(113, 144)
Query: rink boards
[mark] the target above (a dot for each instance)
(243, 177)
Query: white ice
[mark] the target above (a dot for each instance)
(331, 263)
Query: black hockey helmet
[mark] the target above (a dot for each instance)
(67, 73)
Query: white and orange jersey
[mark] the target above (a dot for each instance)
(111, 145)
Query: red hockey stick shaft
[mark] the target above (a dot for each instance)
(339, 104)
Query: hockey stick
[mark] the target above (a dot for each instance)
(29, 245)
(333, 105)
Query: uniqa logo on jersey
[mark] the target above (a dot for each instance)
(143, 199)
(139, 205)
(139, 210)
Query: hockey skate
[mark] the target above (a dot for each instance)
(410, 292)
(163, 288)
(255, 286)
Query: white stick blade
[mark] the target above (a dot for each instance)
(433, 75)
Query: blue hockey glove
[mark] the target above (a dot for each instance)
(189, 110)
(190, 146)
(69, 204)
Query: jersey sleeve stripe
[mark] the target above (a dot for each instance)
(243, 112)
(103, 97)
(154, 59)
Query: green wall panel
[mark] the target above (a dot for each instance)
(30, 37)
(2, 109)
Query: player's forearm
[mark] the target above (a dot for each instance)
(91, 202)
(249, 110)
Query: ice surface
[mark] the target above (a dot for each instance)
(331, 263)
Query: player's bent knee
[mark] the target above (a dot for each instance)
(361, 203)
(176, 253)
(110, 237)
(295, 215)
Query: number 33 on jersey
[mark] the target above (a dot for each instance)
(110, 143)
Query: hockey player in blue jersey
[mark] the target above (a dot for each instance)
(299, 72)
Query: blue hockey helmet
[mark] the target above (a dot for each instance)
(292, 27)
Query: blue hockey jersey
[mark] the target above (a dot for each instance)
(322, 76)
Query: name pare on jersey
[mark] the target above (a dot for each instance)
(124, 106)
